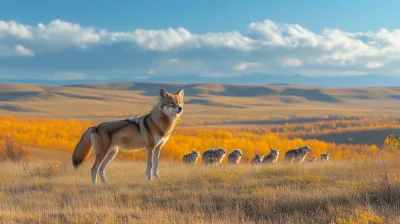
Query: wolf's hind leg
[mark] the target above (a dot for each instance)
(109, 157)
(96, 166)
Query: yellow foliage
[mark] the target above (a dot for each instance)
(65, 134)
(44, 133)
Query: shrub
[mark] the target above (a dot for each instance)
(14, 151)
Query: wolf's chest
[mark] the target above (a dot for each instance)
(160, 141)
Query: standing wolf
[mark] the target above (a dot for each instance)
(213, 156)
(235, 156)
(149, 132)
(272, 157)
(298, 154)
(191, 157)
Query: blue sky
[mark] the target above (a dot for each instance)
(82, 40)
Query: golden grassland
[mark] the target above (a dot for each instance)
(64, 134)
(356, 191)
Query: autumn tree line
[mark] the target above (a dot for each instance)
(53, 134)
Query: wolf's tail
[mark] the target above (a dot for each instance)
(83, 148)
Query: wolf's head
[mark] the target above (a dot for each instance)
(171, 104)
(274, 153)
(237, 152)
(196, 153)
(221, 151)
(305, 150)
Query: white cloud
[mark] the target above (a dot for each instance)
(151, 71)
(155, 40)
(67, 33)
(374, 64)
(278, 46)
(245, 65)
(286, 35)
(291, 62)
(231, 40)
(23, 51)
(14, 29)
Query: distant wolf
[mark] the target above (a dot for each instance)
(325, 156)
(191, 157)
(214, 156)
(235, 156)
(258, 158)
(298, 154)
(149, 132)
(312, 159)
(272, 157)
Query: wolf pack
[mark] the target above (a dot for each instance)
(216, 156)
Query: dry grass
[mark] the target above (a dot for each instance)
(338, 192)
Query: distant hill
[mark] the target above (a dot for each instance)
(338, 81)
(210, 102)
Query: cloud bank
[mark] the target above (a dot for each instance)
(61, 47)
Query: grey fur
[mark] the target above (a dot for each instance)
(298, 154)
(192, 157)
(235, 156)
(214, 156)
(258, 158)
(272, 157)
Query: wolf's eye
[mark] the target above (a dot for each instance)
(170, 103)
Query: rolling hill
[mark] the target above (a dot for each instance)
(204, 102)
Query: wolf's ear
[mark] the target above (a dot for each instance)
(180, 93)
(163, 94)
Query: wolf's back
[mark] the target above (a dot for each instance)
(291, 154)
(83, 148)
(208, 156)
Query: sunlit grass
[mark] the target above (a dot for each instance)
(337, 192)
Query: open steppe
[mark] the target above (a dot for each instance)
(359, 185)
(338, 192)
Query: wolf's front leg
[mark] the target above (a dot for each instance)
(156, 158)
(149, 156)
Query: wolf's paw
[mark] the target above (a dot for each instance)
(157, 175)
